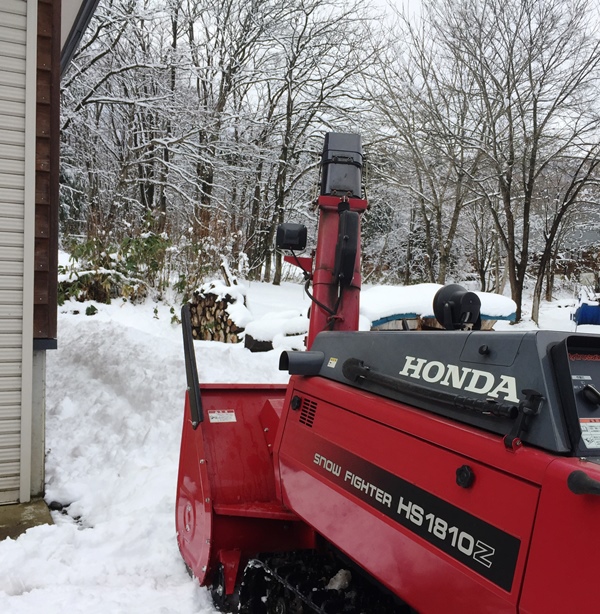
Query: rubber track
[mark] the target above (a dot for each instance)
(304, 576)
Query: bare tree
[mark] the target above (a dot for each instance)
(197, 119)
(484, 247)
(535, 65)
(424, 104)
(571, 186)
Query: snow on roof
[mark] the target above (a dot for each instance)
(384, 302)
(497, 307)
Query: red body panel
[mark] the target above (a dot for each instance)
(231, 503)
(226, 508)
(426, 450)
(563, 569)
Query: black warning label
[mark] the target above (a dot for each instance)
(482, 547)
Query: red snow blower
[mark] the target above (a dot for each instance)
(440, 472)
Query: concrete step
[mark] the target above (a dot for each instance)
(16, 519)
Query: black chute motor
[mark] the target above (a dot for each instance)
(291, 237)
(455, 308)
(341, 165)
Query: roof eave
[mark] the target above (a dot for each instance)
(84, 15)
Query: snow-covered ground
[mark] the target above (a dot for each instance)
(114, 415)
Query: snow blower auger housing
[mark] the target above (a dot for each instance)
(453, 471)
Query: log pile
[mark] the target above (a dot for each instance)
(210, 313)
(210, 319)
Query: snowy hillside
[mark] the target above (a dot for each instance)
(115, 409)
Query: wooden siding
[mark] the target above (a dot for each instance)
(47, 170)
(12, 182)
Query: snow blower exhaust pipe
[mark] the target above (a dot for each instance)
(301, 363)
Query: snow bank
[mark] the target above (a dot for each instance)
(115, 408)
(114, 412)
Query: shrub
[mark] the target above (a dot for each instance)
(101, 270)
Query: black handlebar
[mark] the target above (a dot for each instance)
(191, 369)
(580, 483)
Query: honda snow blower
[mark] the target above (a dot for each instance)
(439, 472)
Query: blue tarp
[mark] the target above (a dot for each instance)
(587, 314)
(413, 316)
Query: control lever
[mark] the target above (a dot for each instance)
(591, 394)
(580, 483)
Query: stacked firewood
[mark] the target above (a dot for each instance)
(210, 320)
(210, 315)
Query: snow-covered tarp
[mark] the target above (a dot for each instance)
(381, 304)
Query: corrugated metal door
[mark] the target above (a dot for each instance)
(12, 183)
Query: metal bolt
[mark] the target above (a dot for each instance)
(202, 461)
